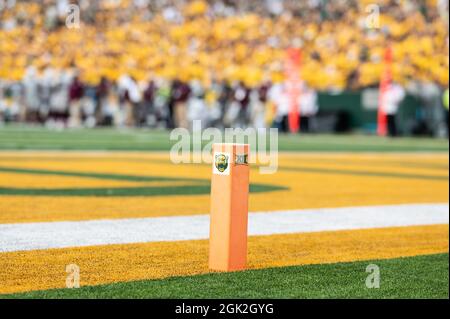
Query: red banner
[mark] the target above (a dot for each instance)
(385, 82)
(293, 82)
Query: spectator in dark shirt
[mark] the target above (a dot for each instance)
(76, 92)
(102, 92)
(180, 95)
(148, 109)
(242, 97)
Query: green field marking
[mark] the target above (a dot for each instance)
(369, 162)
(149, 190)
(305, 169)
(363, 173)
(130, 191)
(323, 160)
(197, 186)
(118, 177)
(413, 277)
(17, 137)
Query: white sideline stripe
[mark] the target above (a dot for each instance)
(34, 236)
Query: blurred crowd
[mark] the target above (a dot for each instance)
(166, 62)
(153, 103)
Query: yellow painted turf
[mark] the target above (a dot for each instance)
(334, 186)
(329, 188)
(45, 269)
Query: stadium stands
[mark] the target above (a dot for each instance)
(141, 46)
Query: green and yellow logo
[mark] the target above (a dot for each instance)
(221, 162)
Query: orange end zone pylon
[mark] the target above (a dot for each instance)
(229, 207)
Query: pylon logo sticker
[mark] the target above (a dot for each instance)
(241, 159)
(221, 164)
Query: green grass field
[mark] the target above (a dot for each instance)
(16, 137)
(414, 277)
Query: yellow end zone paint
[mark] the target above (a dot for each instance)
(45, 269)
(306, 189)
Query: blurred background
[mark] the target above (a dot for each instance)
(164, 63)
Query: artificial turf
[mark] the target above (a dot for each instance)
(13, 137)
(412, 277)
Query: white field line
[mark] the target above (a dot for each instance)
(34, 236)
